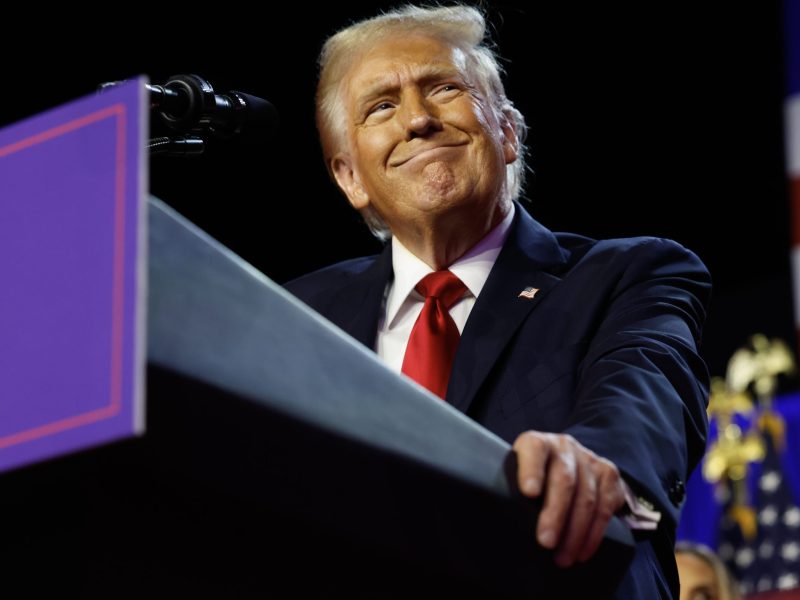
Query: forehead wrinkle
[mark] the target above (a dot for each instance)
(392, 82)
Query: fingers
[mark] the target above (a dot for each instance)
(561, 490)
(610, 499)
(581, 490)
(537, 465)
(533, 451)
(580, 518)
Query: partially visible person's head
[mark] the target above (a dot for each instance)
(703, 575)
(372, 63)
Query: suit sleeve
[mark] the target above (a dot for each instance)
(642, 388)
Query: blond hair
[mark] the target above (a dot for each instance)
(460, 26)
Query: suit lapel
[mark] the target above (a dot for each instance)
(527, 260)
(359, 303)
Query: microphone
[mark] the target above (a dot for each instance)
(188, 104)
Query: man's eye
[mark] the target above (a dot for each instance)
(448, 87)
(381, 106)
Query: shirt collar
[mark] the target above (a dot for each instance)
(472, 268)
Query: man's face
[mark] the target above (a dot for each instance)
(422, 140)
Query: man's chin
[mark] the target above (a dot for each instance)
(439, 183)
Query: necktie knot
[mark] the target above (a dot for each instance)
(443, 285)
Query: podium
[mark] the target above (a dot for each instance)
(281, 459)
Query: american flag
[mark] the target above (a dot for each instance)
(768, 563)
(528, 292)
(771, 560)
(792, 135)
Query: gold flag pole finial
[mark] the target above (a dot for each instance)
(759, 368)
(754, 368)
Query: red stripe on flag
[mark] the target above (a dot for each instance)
(795, 192)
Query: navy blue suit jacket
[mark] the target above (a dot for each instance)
(605, 351)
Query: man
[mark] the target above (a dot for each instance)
(581, 353)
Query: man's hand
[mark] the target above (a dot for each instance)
(582, 491)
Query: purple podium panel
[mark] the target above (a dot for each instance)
(73, 185)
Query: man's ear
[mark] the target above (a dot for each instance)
(349, 181)
(510, 138)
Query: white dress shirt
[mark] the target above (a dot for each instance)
(402, 303)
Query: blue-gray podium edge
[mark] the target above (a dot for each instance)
(271, 348)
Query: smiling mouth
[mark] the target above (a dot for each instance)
(426, 153)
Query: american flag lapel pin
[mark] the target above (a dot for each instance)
(528, 292)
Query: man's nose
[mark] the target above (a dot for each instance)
(421, 116)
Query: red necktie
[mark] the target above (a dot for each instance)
(434, 338)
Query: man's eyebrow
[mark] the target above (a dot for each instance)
(705, 588)
(381, 85)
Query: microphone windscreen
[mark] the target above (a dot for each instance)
(261, 118)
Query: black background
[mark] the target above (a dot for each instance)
(650, 119)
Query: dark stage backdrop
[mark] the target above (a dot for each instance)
(654, 119)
